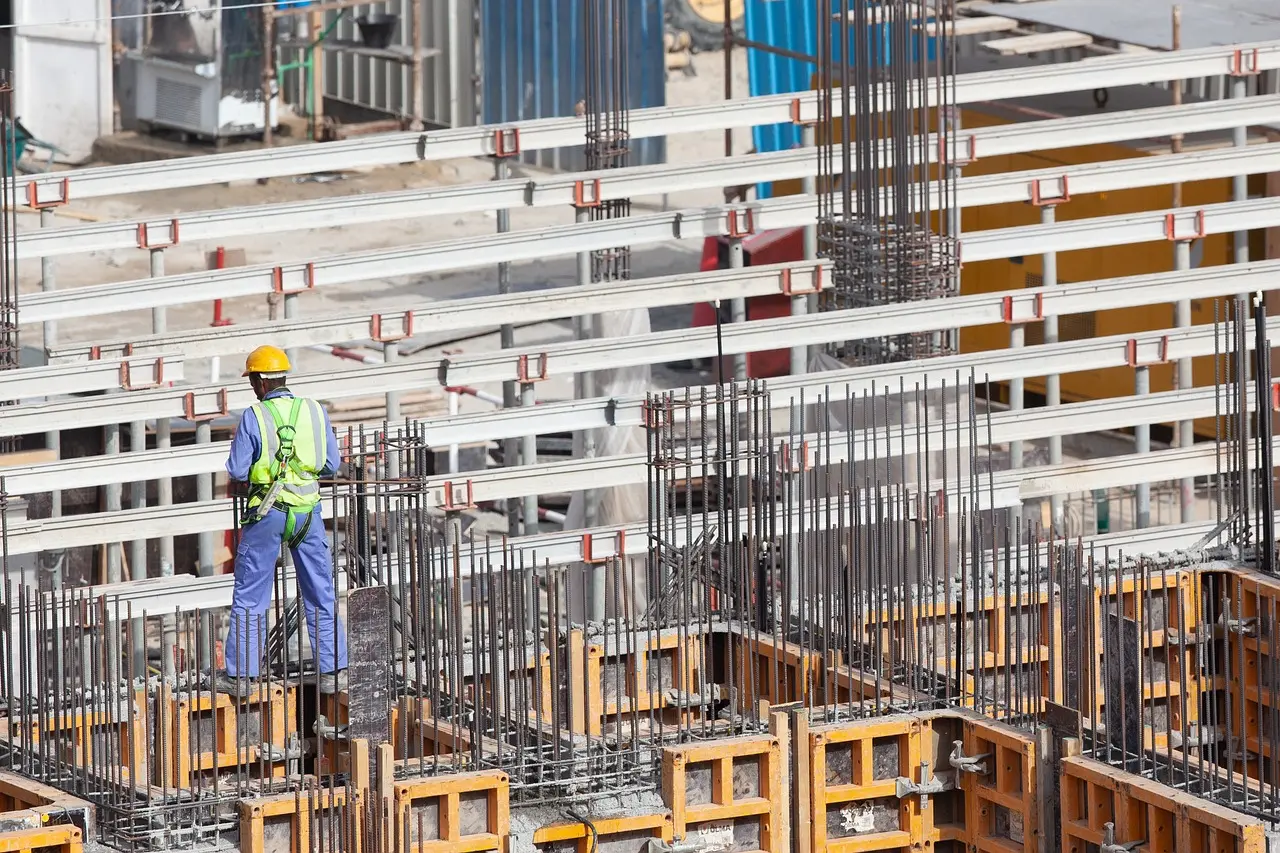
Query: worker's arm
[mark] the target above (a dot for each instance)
(332, 455)
(244, 448)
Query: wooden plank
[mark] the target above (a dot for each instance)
(1037, 43)
(27, 457)
(973, 26)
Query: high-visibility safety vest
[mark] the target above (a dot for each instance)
(292, 451)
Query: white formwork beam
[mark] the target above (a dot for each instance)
(1017, 306)
(997, 365)
(123, 373)
(637, 181)
(536, 244)
(516, 137)
(458, 493)
(437, 317)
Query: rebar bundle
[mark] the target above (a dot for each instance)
(10, 151)
(608, 143)
(885, 90)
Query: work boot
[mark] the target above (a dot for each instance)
(239, 686)
(333, 682)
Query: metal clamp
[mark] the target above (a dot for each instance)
(377, 335)
(1275, 396)
(33, 196)
(144, 236)
(580, 197)
(788, 289)
(744, 228)
(1238, 67)
(189, 407)
(1109, 841)
(1131, 353)
(506, 142)
(157, 376)
(971, 152)
(308, 278)
(967, 764)
(653, 415)
(1171, 227)
(797, 114)
(788, 465)
(1063, 196)
(1006, 310)
(452, 505)
(929, 784)
(523, 376)
(588, 549)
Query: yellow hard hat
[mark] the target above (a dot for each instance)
(266, 359)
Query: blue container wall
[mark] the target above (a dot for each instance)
(793, 25)
(533, 61)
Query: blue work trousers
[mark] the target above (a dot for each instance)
(255, 577)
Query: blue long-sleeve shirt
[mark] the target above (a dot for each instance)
(247, 443)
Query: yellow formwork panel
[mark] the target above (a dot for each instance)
(1102, 804)
(318, 818)
(1166, 607)
(1250, 667)
(634, 680)
(196, 734)
(772, 670)
(1002, 796)
(45, 839)
(80, 730)
(577, 837)
(727, 789)
(456, 813)
(853, 777)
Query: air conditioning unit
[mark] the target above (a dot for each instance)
(200, 70)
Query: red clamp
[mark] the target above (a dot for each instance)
(580, 196)
(33, 196)
(797, 114)
(1062, 197)
(522, 369)
(377, 335)
(788, 289)
(1275, 396)
(655, 415)
(1131, 353)
(588, 549)
(506, 142)
(452, 505)
(144, 236)
(157, 376)
(308, 279)
(744, 227)
(1006, 310)
(788, 464)
(1171, 227)
(970, 151)
(189, 407)
(1239, 68)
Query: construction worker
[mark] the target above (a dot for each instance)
(282, 447)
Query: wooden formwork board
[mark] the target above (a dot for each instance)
(889, 783)
(771, 670)
(630, 834)
(453, 813)
(729, 790)
(45, 839)
(1155, 817)
(1249, 668)
(196, 734)
(318, 818)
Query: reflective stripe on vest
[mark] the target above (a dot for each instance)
(300, 487)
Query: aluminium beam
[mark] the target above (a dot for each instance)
(460, 314)
(515, 137)
(718, 220)
(995, 366)
(458, 492)
(216, 399)
(124, 373)
(636, 181)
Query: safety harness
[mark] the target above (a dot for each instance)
(285, 459)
